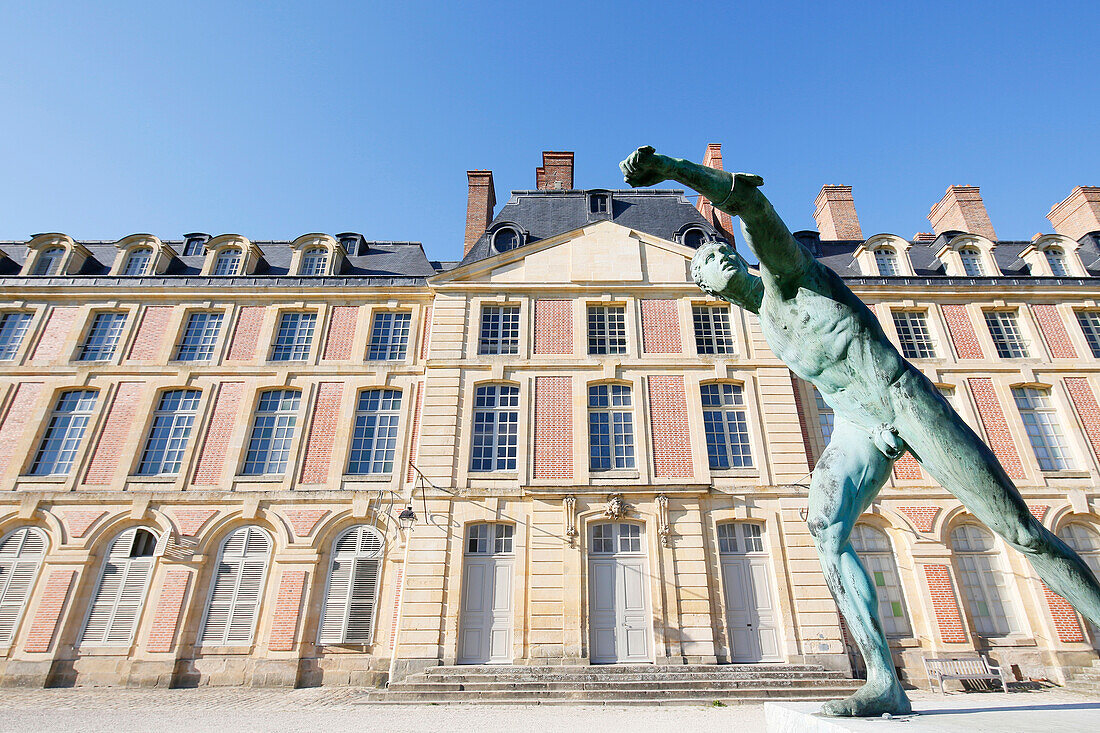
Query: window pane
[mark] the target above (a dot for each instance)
(228, 262)
(295, 336)
(137, 263)
(272, 433)
(168, 436)
(496, 428)
(1056, 258)
(374, 436)
(1043, 428)
(314, 261)
(972, 262)
(389, 336)
(102, 338)
(887, 261)
(606, 329)
(713, 332)
(63, 434)
(1090, 326)
(48, 261)
(499, 330)
(610, 428)
(912, 328)
(199, 337)
(1005, 332)
(726, 426)
(13, 327)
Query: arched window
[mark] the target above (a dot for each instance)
(505, 239)
(137, 263)
(351, 596)
(64, 433)
(887, 260)
(170, 432)
(694, 238)
(725, 421)
(1056, 258)
(228, 262)
(496, 428)
(113, 616)
(272, 432)
(873, 547)
(48, 261)
(21, 554)
(983, 582)
(610, 427)
(314, 261)
(1085, 541)
(237, 588)
(374, 436)
(972, 261)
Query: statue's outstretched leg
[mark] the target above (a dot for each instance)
(958, 459)
(845, 481)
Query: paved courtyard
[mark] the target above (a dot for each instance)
(340, 709)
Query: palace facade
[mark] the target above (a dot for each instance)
(336, 461)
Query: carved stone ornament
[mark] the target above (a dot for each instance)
(569, 518)
(616, 508)
(664, 531)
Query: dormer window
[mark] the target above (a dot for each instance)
(193, 244)
(598, 203)
(48, 261)
(887, 261)
(1056, 258)
(228, 262)
(694, 238)
(506, 239)
(314, 261)
(350, 243)
(137, 263)
(972, 262)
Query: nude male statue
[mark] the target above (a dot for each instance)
(883, 406)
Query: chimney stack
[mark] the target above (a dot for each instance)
(835, 213)
(480, 201)
(961, 209)
(1077, 214)
(720, 220)
(556, 171)
(924, 237)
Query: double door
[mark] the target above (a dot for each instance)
(750, 606)
(620, 625)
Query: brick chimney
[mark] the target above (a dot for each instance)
(924, 237)
(722, 221)
(480, 200)
(961, 209)
(556, 171)
(835, 213)
(1077, 214)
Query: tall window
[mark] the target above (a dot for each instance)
(137, 264)
(374, 438)
(314, 261)
(824, 416)
(13, 327)
(610, 427)
(200, 336)
(1085, 541)
(1090, 326)
(172, 422)
(606, 329)
(1043, 428)
(21, 555)
(496, 424)
(48, 261)
(237, 588)
(1056, 258)
(726, 426)
(489, 538)
(352, 591)
(272, 433)
(499, 330)
(983, 581)
(103, 335)
(63, 433)
(115, 610)
(389, 336)
(1004, 329)
(295, 336)
(873, 547)
(713, 333)
(887, 261)
(912, 328)
(972, 262)
(228, 262)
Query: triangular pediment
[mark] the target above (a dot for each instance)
(602, 252)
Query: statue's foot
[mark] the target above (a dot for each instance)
(871, 700)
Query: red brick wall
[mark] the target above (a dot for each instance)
(802, 420)
(553, 428)
(671, 438)
(553, 327)
(218, 432)
(190, 521)
(20, 412)
(49, 610)
(660, 327)
(1065, 620)
(162, 632)
(1054, 332)
(556, 171)
(414, 437)
(835, 213)
(426, 334)
(150, 334)
(906, 468)
(303, 521)
(480, 200)
(996, 428)
(1038, 510)
(922, 517)
(962, 332)
(78, 521)
(341, 332)
(962, 208)
(247, 333)
(58, 325)
(942, 593)
(288, 604)
(1077, 214)
(322, 432)
(1084, 401)
(114, 434)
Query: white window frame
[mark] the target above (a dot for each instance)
(630, 449)
(1088, 319)
(73, 416)
(11, 338)
(294, 336)
(392, 426)
(503, 416)
(390, 333)
(134, 262)
(713, 327)
(179, 424)
(986, 567)
(606, 329)
(1006, 333)
(498, 334)
(207, 340)
(1043, 427)
(732, 414)
(111, 324)
(914, 335)
(284, 419)
(882, 567)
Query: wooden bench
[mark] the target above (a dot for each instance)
(966, 668)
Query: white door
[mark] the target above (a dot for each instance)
(618, 592)
(750, 606)
(485, 624)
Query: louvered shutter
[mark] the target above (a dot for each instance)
(352, 593)
(237, 587)
(21, 554)
(116, 607)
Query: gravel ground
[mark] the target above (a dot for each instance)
(340, 709)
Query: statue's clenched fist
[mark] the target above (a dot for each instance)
(644, 167)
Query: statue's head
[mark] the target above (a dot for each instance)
(721, 272)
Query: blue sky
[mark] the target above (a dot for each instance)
(276, 119)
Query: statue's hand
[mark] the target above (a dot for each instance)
(644, 167)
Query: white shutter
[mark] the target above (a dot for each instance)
(364, 588)
(237, 587)
(21, 554)
(351, 596)
(116, 608)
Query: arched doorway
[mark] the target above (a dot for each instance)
(620, 624)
